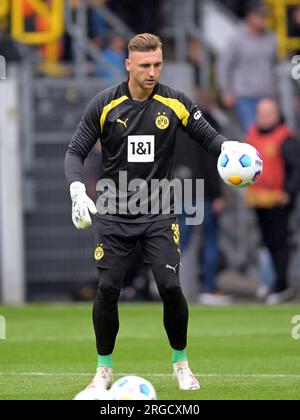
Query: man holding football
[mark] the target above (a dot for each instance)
(136, 123)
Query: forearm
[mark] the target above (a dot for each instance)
(292, 181)
(74, 162)
(206, 136)
(82, 143)
(84, 139)
(214, 144)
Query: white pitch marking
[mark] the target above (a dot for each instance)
(154, 375)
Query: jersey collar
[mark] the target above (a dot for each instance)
(127, 92)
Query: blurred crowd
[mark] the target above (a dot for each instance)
(242, 92)
(149, 16)
(99, 31)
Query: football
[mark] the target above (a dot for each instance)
(240, 165)
(132, 388)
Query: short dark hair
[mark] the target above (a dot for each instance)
(144, 43)
(256, 6)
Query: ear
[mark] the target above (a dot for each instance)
(128, 64)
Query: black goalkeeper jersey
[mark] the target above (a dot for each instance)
(137, 140)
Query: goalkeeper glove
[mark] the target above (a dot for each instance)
(81, 206)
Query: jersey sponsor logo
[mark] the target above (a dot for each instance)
(141, 149)
(99, 253)
(122, 122)
(198, 115)
(162, 121)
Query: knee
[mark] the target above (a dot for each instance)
(171, 293)
(108, 293)
(167, 282)
(109, 287)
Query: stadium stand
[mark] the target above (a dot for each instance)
(56, 79)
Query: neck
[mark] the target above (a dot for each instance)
(267, 130)
(255, 32)
(138, 93)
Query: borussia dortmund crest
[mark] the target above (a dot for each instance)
(162, 121)
(99, 253)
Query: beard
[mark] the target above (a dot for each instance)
(145, 85)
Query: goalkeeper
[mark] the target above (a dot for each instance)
(136, 123)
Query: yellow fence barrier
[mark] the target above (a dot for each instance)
(51, 11)
(279, 21)
(4, 8)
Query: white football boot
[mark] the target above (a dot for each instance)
(186, 380)
(281, 297)
(215, 299)
(102, 380)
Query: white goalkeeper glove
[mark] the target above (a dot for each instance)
(231, 145)
(81, 206)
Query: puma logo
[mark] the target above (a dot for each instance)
(122, 122)
(172, 268)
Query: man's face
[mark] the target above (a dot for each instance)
(296, 15)
(258, 21)
(145, 68)
(267, 114)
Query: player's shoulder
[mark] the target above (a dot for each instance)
(168, 92)
(110, 94)
(181, 98)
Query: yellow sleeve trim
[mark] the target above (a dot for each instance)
(108, 108)
(177, 106)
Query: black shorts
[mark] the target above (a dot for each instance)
(116, 242)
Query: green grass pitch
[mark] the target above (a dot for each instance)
(239, 352)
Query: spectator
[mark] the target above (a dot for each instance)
(192, 162)
(195, 56)
(98, 26)
(246, 69)
(294, 24)
(236, 6)
(115, 55)
(273, 196)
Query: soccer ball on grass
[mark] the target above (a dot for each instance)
(132, 388)
(93, 394)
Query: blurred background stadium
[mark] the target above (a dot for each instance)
(59, 54)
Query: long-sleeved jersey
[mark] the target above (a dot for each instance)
(137, 141)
